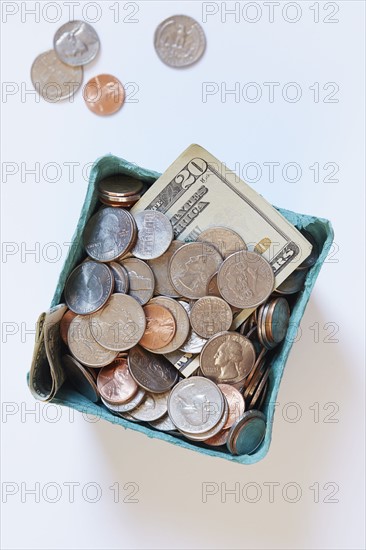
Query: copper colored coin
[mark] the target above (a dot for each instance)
(218, 439)
(160, 327)
(120, 186)
(115, 382)
(236, 404)
(65, 323)
(181, 321)
(210, 315)
(104, 94)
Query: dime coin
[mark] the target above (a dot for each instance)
(210, 315)
(294, 282)
(109, 234)
(54, 80)
(193, 343)
(227, 358)
(104, 94)
(115, 383)
(235, 402)
(160, 327)
(84, 347)
(76, 43)
(225, 240)
(160, 267)
(164, 424)
(121, 281)
(129, 405)
(155, 233)
(245, 279)
(214, 430)
(88, 287)
(120, 324)
(195, 405)
(181, 321)
(179, 41)
(191, 267)
(120, 186)
(247, 434)
(152, 372)
(65, 323)
(141, 279)
(80, 378)
(153, 407)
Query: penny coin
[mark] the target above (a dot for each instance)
(225, 240)
(218, 439)
(104, 94)
(155, 233)
(115, 383)
(65, 323)
(193, 343)
(179, 41)
(314, 254)
(160, 267)
(120, 324)
(294, 282)
(210, 315)
(191, 267)
(214, 430)
(152, 372)
(141, 279)
(195, 405)
(76, 43)
(80, 378)
(164, 424)
(109, 234)
(160, 327)
(120, 186)
(228, 357)
(245, 279)
(52, 79)
(121, 281)
(84, 347)
(235, 402)
(153, 407)
(246, 436)
(88, 287)
(212, 288)
(125, 202)
(181, 321)
(129, 405)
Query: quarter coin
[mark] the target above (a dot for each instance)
(179, 41)
(76, 43)
(225, 240)
(88, 287)
(52, 79)
(160, 267)
(153, 407)
(154, 234)
(84, 347)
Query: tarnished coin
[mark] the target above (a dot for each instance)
(213, 431)
(191, 267)
(109, 234)
(218, 439)
(210, 315)
(125, 202)
(278, 320)
(252, 404)
(245, 279)
(179, 41)
(120, 324)
(160, 327)
(129, 405)
(84, 347)
(65, 323)
(115, 382)
(247, 434)
(227, 358)
(121, 281)
(88, 287)
(76, 43)
(120, 186)
(235, 402)
(154, 234)
(160, 267)
(52, 79)
(310, 260)
(80, 378)
(225, 240)
(181, 321)
(152, 372)
(195, 405)
(193, 343)
(104, 94)
(153, 407)
(164, 424)
(141, 279)
(294, 282)
(212, 288)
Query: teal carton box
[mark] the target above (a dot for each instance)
(320, 229)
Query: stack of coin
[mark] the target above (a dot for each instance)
(140, 301)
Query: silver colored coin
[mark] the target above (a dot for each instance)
(294, 282)
(179, 41)
(109, 234)
(160, 267)
(181, 320)
(213, 431)
(153, 407)
(196, 405)
(88, 287)
(225, 240)
(128, 417)
(84, 347)
(76, 43)
(210, 315)
(247, 434)
(121, 281)
(193, 343)
(155, 234)
(152, 372)
(54, 80)
(80, 378)
(141, 279)
(129, 405)
(164, 424)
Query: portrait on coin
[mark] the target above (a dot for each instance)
(227, 359)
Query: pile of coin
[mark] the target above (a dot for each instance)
(140, 299)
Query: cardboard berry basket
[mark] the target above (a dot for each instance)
(321, 230)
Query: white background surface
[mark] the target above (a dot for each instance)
(56, 446)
